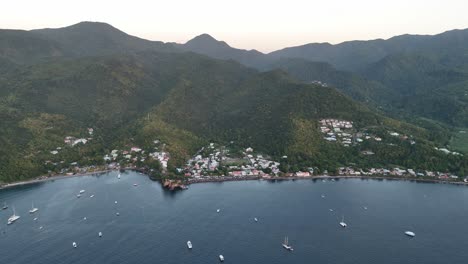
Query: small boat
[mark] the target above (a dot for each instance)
(33, 209)
(115, 202)
(118, 176)
(219, 210)
(286, 244)
(189, 244)
(91, 196)
(255, 219)
(78, 195)
(75, 245)
(342, 223)
(100, 234)
(135, 184)
(410, 234)
(117, 214)
(13, 218)
(323, 196)
(35, 219)
(221, 258)
(5, 206)
(84, 218)
(331, 210)
(41, 227)
(82, 191)
(365, 208)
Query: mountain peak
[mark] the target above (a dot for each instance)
(206, 40)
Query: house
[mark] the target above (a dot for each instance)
(54, 152)
(135, 149)
(302, 174)
(249, 149)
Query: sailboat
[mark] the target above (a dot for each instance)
(342, 223)
(5, 206)
(286, 244)
(13, 218)
(33, 209)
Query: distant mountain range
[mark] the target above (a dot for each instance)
(58, 82)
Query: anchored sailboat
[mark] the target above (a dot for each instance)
(286, 244)
(13, 218)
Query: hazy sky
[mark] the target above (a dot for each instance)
(262, 25)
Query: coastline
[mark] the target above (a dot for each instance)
(215, 179)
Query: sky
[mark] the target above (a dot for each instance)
(246, 24)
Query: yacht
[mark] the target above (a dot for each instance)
(33, 209)
(82, 191)
(342, 223)
(13, 218)
(221, 258)
(189, 244)
(286, 244)
(78, 195)
(100, 234)
(5, 206)
(219, 210)
(75, 245)
(410, 234)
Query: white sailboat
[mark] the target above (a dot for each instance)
(342, 223)
(13, 218)
(286, 244)
(189, 244)
(33, 209)
(5, 206)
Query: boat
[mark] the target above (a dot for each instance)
(35, 219)
(117, 214)
(115, 202)
(13, 218)
(78, 195)
(84, 218)
(100, 234)
(33, 209)
(323, 196)
(342, 223)
(286, 244)
(221, 258)
(365, 208)
(5, 206)
(82, 191)
(135, 184)
(255, 219)
(410, 234)
(219, 210)
(41, 227)
(189, 244)
(75, 245)
(118, 176)
(331, 210)
(92, 195)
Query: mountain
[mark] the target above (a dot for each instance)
(134, 93)
(79, 40)
(356, 55)
(207, 45)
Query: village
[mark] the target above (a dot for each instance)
(216, 162)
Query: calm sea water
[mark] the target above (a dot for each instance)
(154, 225)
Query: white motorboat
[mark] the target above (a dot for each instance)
(221, 258)
(189, 244)
(75, 245)
(82, 191)
(100, 234)
(410, 234)
(218, 210)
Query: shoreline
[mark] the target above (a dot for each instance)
(215, 179)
